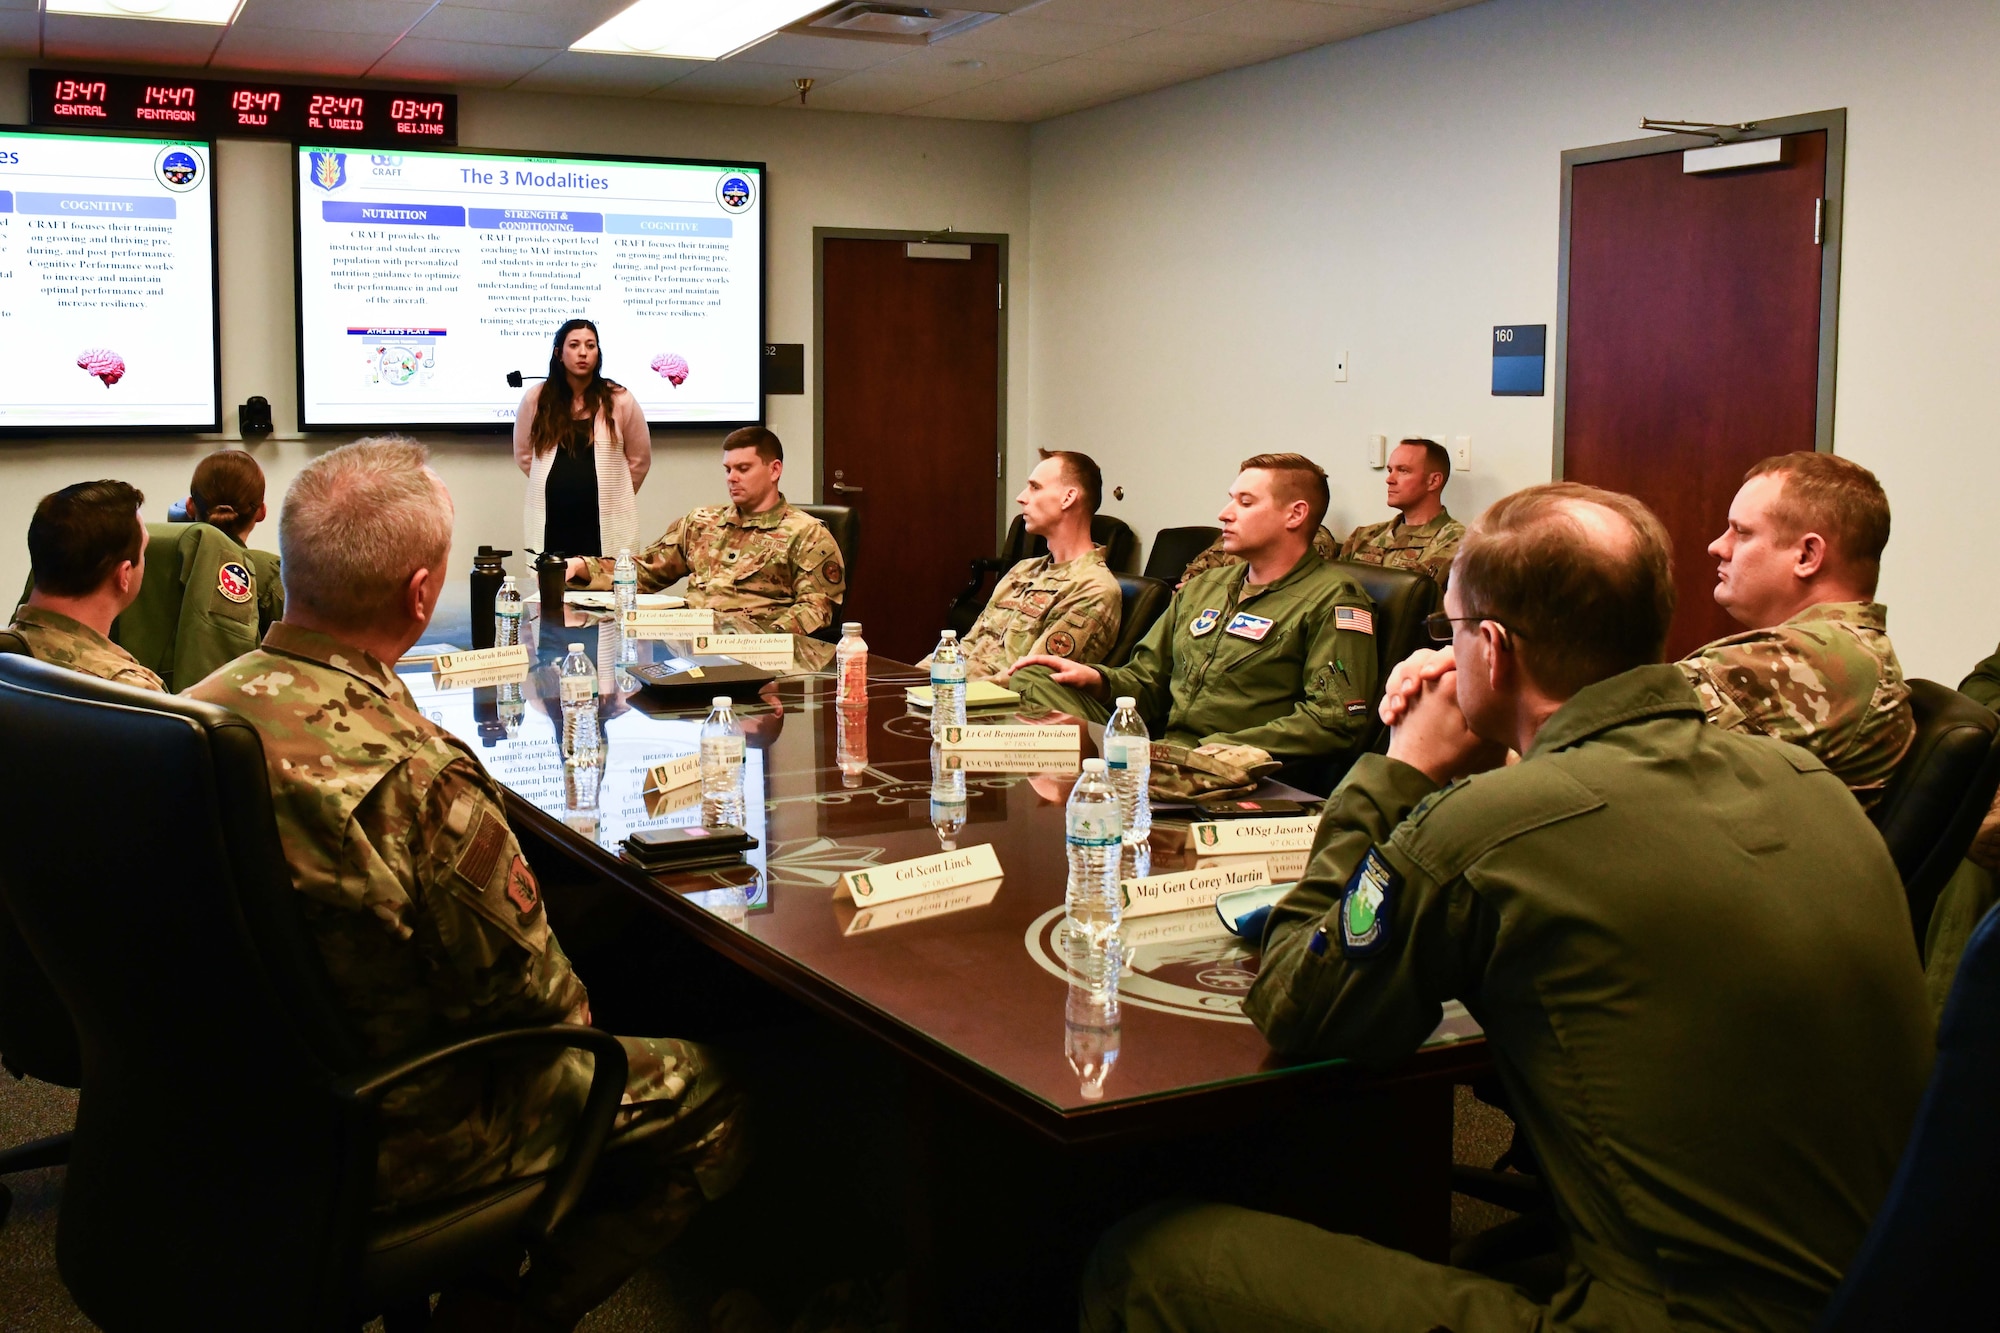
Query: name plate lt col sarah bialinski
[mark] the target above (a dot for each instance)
(480, 659)
(925, 874)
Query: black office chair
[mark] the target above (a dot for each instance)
(1926, 1261)
(1174, 549)
(37, 1040)
(1121, 553)
(844, 523)
(224, 1155)
(1141, 602)
(1932, 806)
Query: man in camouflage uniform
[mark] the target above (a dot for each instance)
(88, 550)
(429, 920)
(1798, 566)
(761, 565)
(1215, 557)
(1423, 536)
(1065, 603)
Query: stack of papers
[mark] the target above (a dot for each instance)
(979, 694)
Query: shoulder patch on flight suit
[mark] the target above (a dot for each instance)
(1354, 618)
(1368, 906)
(234, 582)
(1450, 829)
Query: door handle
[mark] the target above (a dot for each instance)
(840, 489)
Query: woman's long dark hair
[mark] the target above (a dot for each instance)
(555, 422)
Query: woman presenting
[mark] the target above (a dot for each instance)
(584, 444)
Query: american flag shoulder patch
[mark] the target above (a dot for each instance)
(1354, 618)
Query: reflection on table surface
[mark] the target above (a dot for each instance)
(985, 970)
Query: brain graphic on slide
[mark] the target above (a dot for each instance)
(673, 368)
(104, 363)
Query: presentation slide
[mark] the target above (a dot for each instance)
(107, 284)
(425, 277)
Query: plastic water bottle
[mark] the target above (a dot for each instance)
(850, 665)
(625, 583)
(947, 685)
(507, 614)
(1092, 1029)
(947, 800)
(1094, 830)
(1128, 753)
(721, 764)
(851, 742)
(580, 741)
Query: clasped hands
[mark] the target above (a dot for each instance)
(1427, 728)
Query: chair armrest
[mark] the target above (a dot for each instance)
(593, 1128)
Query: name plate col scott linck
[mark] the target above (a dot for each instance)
(925, 874)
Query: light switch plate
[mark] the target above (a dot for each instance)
(1378, 451)
(1461, 453)
(1340, 369)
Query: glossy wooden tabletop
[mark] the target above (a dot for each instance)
(976, 973)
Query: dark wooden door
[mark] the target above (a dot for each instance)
(1692, 342)
(909, 366)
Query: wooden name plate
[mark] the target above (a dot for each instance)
(925, 874)
(1190, 889)
(498, 675)
(674, 773)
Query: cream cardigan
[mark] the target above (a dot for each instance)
(624, 449)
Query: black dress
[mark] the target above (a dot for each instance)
(569, 497)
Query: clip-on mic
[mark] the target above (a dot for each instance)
(514, 378)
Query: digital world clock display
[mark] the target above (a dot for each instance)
(211, 108)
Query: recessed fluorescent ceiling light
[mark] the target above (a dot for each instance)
(694, 29)
(170, 11)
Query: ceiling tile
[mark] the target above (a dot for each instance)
(591, 73)
(926, 74)
(746, 85)
(881, 97)
(795, 48)
(1284, 20)
(1203, 51)
(552, 28)
(1094, 74)
(391, 18)
(344, 55)
(20, 33)
(1006, 99)
(1140, 14)
(457, 62)
(1030, 34)
(135, 41)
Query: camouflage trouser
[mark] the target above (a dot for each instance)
(678, 1143)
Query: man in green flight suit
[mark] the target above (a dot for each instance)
(428, 918)
(1975, 886)
(1688, 948)
(87, 548)
(1265, 660)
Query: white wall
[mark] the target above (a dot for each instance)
(1202, 252)
(826, 170)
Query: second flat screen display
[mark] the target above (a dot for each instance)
(425, 277)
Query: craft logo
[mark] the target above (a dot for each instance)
(734, 192)
(860, 886)
(1206, 834)
(329, 170)
(233, 582)
(178, 168)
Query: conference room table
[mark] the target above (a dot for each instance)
(1019, 1073)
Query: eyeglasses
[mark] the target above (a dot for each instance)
(1439, 625)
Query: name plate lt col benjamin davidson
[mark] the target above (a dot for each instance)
(1189, 888)
(1234, 837)
(925, 874)
(1011, 738)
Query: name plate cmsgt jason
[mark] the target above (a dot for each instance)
(1243, 837)
(925, 874)
(1012, 738)
(1189, 888)
(641, 623)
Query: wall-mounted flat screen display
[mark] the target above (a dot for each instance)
(424, 278)
(107, 284)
